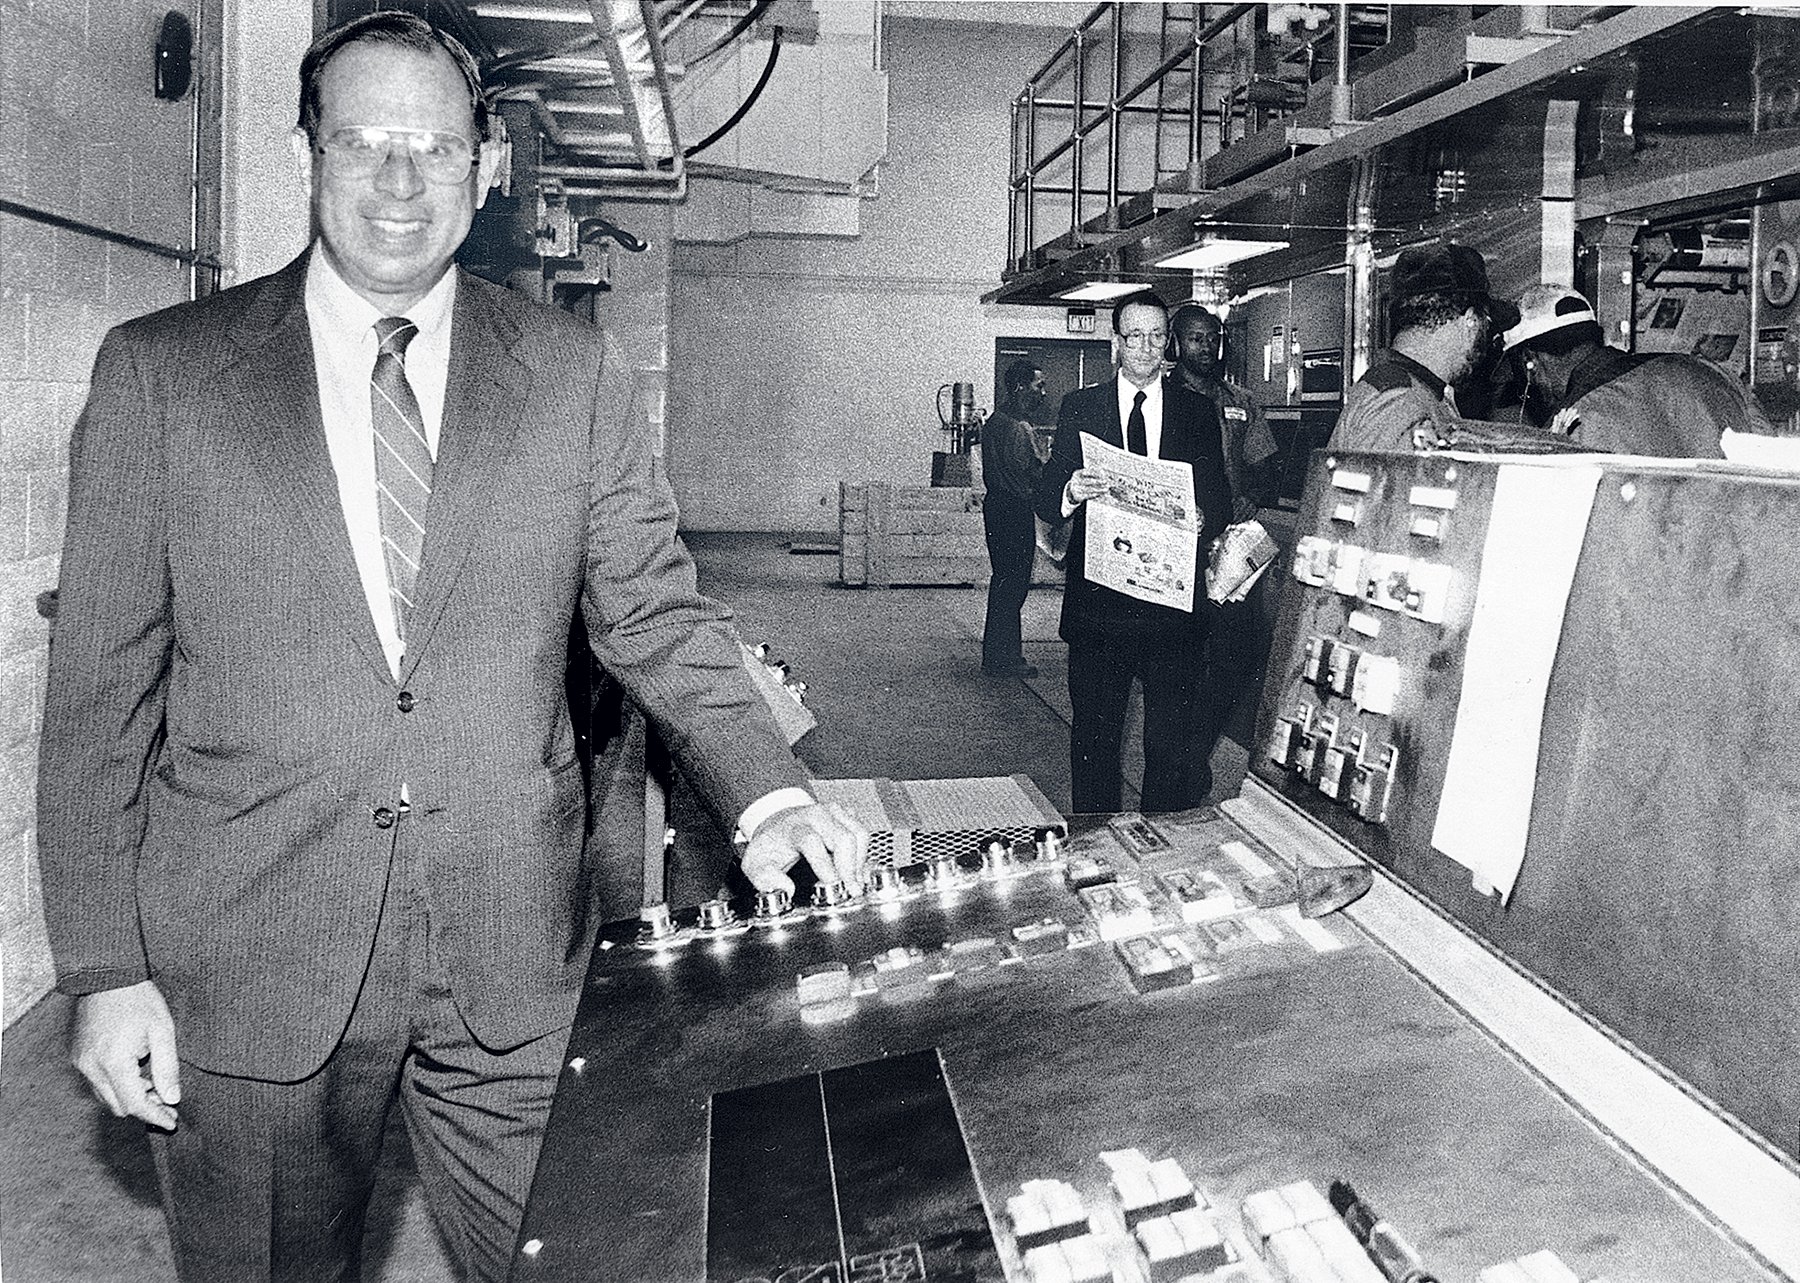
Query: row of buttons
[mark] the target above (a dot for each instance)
(1409, 585)
(1305, 742)
(385, 817)
(1371, 681)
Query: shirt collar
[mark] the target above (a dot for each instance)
(1422, 373)
(1128, 390)
(344, 311)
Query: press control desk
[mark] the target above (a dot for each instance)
(1293, 1063)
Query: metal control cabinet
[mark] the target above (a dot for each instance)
(1660, 889)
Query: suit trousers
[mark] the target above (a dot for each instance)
(1174, 679)
(1012, 552)
(271, 1181)
(1239, 644)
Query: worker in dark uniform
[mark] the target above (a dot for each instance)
(1010, 468)
(1664, 404)
(1440, 316)
(1243, 630)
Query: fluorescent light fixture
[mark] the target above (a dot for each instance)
(1218, 252)
(1261, 291)
(1100, 291)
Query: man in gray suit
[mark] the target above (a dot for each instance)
(310, 814)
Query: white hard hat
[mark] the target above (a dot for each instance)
(1543, 308)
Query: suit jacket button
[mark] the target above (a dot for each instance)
(384, 818)
(404, 701)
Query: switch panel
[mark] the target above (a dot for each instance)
(1386, 558)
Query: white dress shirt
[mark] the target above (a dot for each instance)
(1153, 413)
(344, 349)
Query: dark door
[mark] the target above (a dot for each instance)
(1067, 364)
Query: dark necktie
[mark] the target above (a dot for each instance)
(402, 464)
(1136, 436)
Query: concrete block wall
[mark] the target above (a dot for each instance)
(797, 362)
(81, 135)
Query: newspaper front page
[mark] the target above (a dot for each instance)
(1143, 533)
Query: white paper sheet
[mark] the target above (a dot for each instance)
(1535, 533)
(1142, 533)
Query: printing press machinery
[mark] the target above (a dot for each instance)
(1562, 1046)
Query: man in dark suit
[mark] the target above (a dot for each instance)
(310, 808)
(1114, 638)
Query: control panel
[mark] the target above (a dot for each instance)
(1382, 582)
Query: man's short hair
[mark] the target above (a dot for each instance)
(1142, 298)
(1189, 311)
(1428, 311)
(387, 27)
(1019, 375)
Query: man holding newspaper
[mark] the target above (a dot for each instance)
(1139, 464)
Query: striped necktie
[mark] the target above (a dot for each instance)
(402, 464)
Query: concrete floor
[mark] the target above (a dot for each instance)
(894, 678)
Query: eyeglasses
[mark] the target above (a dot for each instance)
(358, 151)
(1145, 338)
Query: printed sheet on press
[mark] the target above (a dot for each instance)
(1143, 533)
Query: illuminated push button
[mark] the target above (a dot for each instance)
(384, 817)
(773, 904)
(1049, 845)
(715, 915)
(831, 895)
(940, 873)
(655, 923)
(886, 884)
(996, 859)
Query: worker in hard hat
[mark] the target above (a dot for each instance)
(1441, 315)
(1665, 404)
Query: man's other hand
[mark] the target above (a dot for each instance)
(1084, 484)
(823, 835)
(116, 1030)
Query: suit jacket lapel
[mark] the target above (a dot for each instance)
(1177, 424)
(276, 389)
(486, 388)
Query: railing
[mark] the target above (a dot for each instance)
(1029, 167)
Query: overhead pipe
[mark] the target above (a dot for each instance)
(1361, 287)
(1340, 84)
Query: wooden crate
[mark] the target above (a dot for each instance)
(916, 535)
(910, 535)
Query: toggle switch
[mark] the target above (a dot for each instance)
(1284, 736)
(1372, 784)
(1337, 762)
(1341, 667)
(1312, 560)
(1346, 569)
(1312, 664)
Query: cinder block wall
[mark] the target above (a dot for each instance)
(798, 362)
(81, 135)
